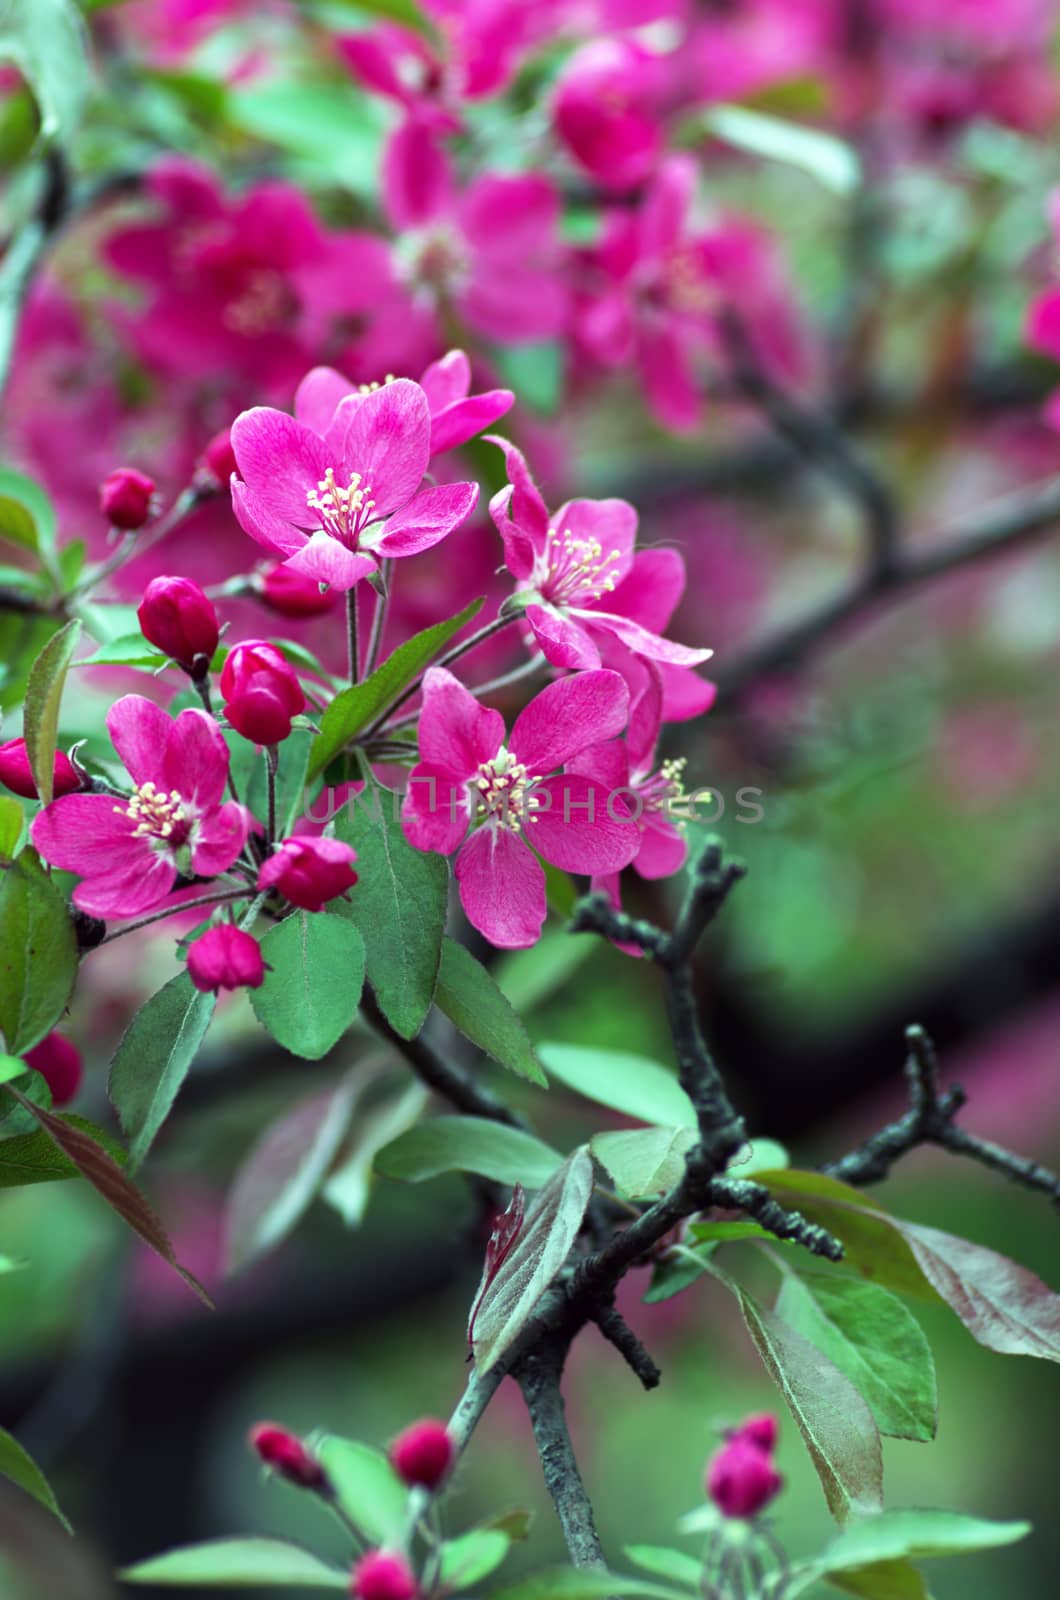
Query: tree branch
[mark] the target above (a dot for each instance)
(929, 1120)
(538, 1376)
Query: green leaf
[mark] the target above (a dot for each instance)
(831, 161)
(761, 1155)
(468, 1144)
(399, 905)
(366, 1487)
(27, 516)
(128, 649)
(153, 1059)
(407, 12)
(276, 1183)
(44, 691)
(11, 1067)
(472, 1557)
(334, 131)
(918, 1535)
(534, 371)
(38, 953)
(311, 995)
(644, 1162)
(353, 709)
(528, 977)
(673, 1274)
(631, 1084)
(1004, 1306)
(48, 42)
(871, 1337)
(11, 824)
(834, 1420)
(667, 1563)
(236, 1564)
(882, 1580)
(19, 1466)
(469, 997)
(99, 1167)
(505, 1303)
(349, 1186)
(35, 1158)
(728, 1232)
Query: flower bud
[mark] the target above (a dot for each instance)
(261, 692)
(423, 1454)
(741, 1479)
(761, 1431)
(381, 1575)
(287, 1456)
(176, 616)
(59, 1064)
(219, 457)
(294, 595)
(310, 872)
(125, 498)
(225, 957)
(17, 775)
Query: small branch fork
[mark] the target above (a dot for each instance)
(929, 1120)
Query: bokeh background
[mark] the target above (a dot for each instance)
(904, 865)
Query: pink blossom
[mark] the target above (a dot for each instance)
(334, 507)
(471, 775)
(226, 957)
(742, 1479)
(456, 414)
(309, 872)
(572, 568)
(130, 851)
(608, 110)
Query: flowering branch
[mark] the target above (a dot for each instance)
(929, 1120)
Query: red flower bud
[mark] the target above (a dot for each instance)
(261, 692)
(59, 1064)
(761, 1431)
(423, 1454)
(310, 872)
(287, 1456)
(176, 616)
(16, 775)
(125, 498)
(741, 1479)
(219, 457)
(226, 958)
(380, 1575)
(293, 595)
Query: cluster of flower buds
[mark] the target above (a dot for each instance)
(261, 692)
(741, 1477)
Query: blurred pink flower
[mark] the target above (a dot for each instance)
(608, 110)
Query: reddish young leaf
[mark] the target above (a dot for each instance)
(506, 1226)
(120, 1193)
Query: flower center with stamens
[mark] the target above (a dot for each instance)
(664, 790)
(574, 571)
(343, 512)
(157, 815)
(505, 791)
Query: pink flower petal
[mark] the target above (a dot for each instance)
(447, 381)
(568, 716)
(328, 561)
(564, 641)
(651, 590)
(262, 524)
(645, 719)
(457, 733)
(139, 731)
(317, 397)
(581, 826)
(643, 642)
(88, 833)
(510, 218)
(666, 370)
(661, 221)
(455, 424)
(388, 441)
(143, 887)
(417, 178)
(514, 304)
(685, 694)
(281, 461)
(502, 888)
(606, 763)
(427, 519)
(195, 759)
(219, 839)
(663, 850)
(523, 507)
(436, 810)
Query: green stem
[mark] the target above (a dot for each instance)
(272, 757)
(171, 911)
(352, 647)
(443, 661)
(382, 605)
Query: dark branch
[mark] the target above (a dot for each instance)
(741, 1194)
(929, 1120)
(617, 1331)
(538, 1377)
